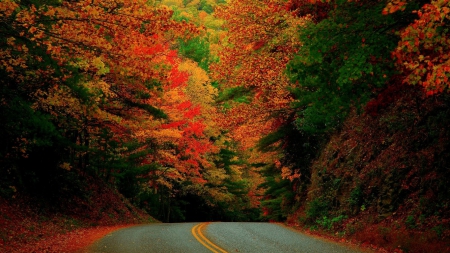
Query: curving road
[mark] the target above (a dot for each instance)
(218, 237)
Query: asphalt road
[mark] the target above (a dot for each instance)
(218, 237)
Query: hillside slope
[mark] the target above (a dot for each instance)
(383, 179)
(66, 224)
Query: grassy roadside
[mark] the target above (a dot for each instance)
(390, 235)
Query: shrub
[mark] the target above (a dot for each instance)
(328, 223)
(317, 208)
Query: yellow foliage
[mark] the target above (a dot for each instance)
(187, 15)
(215, 176)
(65, 166)
(202, 15)
(99, 89)
(194, 3)
(100, 65)
(287, 173)
(219, 194)
(213, 23)
(163, 135)
(170, 3)
(199, 88)
(59, 100)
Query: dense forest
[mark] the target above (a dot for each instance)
(330, 115)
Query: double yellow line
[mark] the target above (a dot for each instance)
(197, 232)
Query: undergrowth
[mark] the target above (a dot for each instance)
(383, 179)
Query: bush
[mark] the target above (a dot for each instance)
(356, 197)
(317, 208)
(328, 223)
(410, 221)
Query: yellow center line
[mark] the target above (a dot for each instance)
(197, 233)
(200, 228)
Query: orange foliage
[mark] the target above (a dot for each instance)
(123, 50)
(262, 35)
(423, 51)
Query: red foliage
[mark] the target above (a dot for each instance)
(195, 128)
(423, 51)
(198, 180)
(174, 124)
(184, 105)
(24, 229)
(177, 78)
(190, 114)
(388, 96)
(172, 57)
(192, 162)
(259, 44)
(195, 148)
(74, 241)
(149, 50)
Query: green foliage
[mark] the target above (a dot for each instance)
(196, 49)
(162, 205)
(356, 197)
(237, 94)
(236, 206)
(439, 229)
(177, 15)
(298, 149)
(342, 60)
(49, 147)
(328, 223)
(158, 113)
(411, 221)
(205, 6)
(130, 179)
(278, 194)
(318, 208)
(153, 85)
(228, 157)
(186, 2)
(265, 144)
(19, 119)
(31, 143)
(39, 3)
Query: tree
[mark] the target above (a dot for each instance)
(333, 76)
(250, 71)
(252, 81)
(77, 70)
(422, 52)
